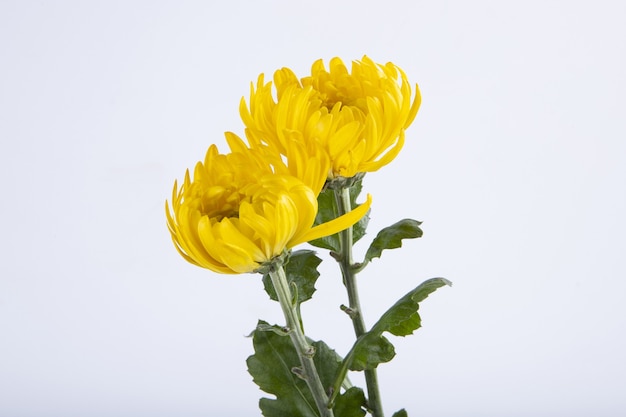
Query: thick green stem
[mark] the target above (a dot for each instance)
(348, 270)
(304, 350)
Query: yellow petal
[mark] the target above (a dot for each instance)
(335, 225)
(387, 157)
(225, 243)
(414, 107)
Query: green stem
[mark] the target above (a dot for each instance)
(304, 350)
(349, 270)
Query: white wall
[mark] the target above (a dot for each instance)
(516, 164)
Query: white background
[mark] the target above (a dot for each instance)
(516, 163)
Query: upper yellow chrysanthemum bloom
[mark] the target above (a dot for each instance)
(243, 209)
(358, 117)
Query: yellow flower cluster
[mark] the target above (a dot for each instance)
(357, 118)
(241, 210)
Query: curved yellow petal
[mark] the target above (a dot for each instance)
(335, 225)
(388, 156)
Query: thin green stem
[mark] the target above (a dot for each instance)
(348, 271)
(304, 350)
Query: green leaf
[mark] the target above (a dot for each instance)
(327, 210)
(391, 237)
(264, 327)
(372, 348)
(350, 403)
(271, 369)
(301, 271)
(402, 318)
(401, 413)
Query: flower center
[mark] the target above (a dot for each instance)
(220, 202)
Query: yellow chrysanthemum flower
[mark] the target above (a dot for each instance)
(243, 209)
(358, 117)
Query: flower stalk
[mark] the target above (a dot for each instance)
(349, 270)
(305, 351)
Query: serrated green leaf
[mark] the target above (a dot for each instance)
(372, 348)
(301, 271)
(327, 210)
(271, 369)
(391, 237)
(350, 404)
(370, 351)
(402, 318)
(264, 327)
(401, 413)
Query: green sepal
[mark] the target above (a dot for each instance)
(327, 210)
(391, 237)
(401, 413)
(271, 369)
(301, 272)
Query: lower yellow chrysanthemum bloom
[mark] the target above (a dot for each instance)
(243, 209)
(357, 117)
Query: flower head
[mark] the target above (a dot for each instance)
(358, 117)
(243, 209)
